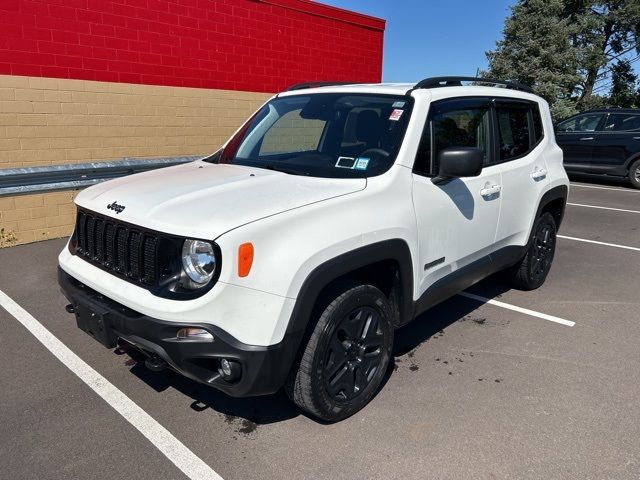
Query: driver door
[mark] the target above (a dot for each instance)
(456, 220)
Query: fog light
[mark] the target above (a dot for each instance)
(199, 334)
(229, 370)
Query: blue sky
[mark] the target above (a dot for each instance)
(425, 38)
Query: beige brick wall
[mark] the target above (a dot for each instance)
(47, 121)
(30, 218)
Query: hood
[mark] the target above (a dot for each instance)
(205, 200)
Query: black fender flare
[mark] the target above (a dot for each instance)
(329, 271)
(630, 161)
(559, 192)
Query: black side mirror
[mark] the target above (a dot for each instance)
(456, 162)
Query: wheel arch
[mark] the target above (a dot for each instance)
(554, 201)
(630, 161)
(362, 263)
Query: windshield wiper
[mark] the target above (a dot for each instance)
(278, 168)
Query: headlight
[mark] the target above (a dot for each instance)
(198, 261)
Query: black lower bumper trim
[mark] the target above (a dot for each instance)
(264, 369)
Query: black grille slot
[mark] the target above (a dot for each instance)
(109, 239)
(119, 248)
(149, 260)
(99, 228)
(134, 255)
(81, 234)
(91, 237)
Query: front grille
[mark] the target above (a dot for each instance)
(118, 247)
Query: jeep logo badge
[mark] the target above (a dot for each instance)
(115, 207)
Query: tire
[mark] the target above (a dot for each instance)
(531, 272)
(347, 355)
(634, 174)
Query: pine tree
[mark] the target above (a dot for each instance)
(568, 50)
(624, 86)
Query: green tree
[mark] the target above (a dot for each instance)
(567, 50)
(624, 89)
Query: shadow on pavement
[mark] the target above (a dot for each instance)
(432, 323)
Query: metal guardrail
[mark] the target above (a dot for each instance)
(18, 181)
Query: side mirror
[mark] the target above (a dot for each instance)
(456, 162)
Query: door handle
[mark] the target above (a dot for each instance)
(539, 174)
(636, 138)
(490, 191)
(585, 139)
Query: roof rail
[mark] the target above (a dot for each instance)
(435, 82)
(302, 86)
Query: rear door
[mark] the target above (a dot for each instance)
(456, 219)
(520, 144)
(576, 137)
(615, 143)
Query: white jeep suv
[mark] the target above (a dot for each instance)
(334, 215)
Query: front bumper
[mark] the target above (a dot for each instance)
(264, 368)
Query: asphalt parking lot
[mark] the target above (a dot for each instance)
(478, 390)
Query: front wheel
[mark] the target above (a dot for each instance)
(347, 355)
(531, 272)
(634, 174)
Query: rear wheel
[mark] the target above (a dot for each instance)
(531, 272)
(634, 174)
(347, 355)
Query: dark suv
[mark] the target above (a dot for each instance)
(602, 142)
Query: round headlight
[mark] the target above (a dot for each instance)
(198, 261)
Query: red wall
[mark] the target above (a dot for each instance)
(254, 45)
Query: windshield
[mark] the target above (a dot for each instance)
(333, 135)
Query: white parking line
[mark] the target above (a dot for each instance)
(526, 311)
(605, 188)
(603, 208)
(172, 448)
(626, 247)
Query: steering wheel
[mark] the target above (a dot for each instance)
(375, 151)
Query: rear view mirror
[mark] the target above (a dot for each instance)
(457, 162)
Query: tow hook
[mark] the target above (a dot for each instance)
(155, 364)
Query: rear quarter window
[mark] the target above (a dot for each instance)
(537, 123)
(514, 133)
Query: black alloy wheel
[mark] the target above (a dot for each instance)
(531, 272)
(354, 354)
(543, 248)
(344, 362)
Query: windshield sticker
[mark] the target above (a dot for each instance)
(361, 163)
(396, 114)
(398, 104)
(345, 162)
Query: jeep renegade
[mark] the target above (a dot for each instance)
(333, 216)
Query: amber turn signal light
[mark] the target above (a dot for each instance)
(245, 259)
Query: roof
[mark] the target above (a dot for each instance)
(402, 89)
(611, 110)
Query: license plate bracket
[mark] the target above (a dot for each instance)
(95, 322)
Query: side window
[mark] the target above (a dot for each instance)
(453, 123)
(537, 122)
(621, 122)
(513, 130)
(581, 123)
(292, 133)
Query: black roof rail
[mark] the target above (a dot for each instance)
(435, 82)
(302, 86)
